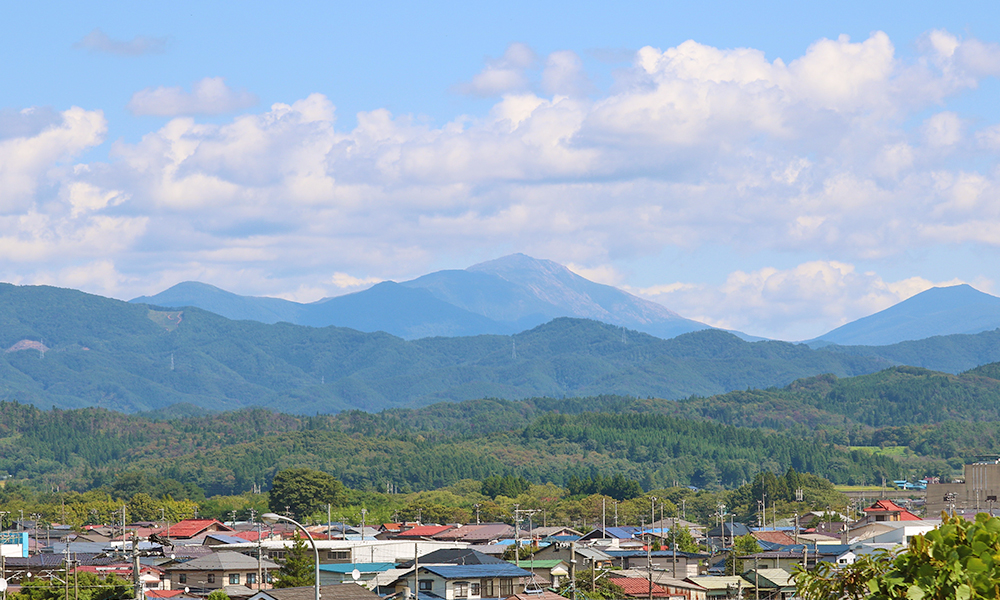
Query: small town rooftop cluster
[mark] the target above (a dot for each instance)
(410, 561)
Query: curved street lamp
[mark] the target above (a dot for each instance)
(274, 518)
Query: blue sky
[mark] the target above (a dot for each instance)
(778, 169)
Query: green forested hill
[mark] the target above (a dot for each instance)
(130, 357)
(229, 452)
(941, 421)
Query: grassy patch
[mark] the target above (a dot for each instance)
(168, 319)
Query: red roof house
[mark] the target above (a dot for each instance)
(424, 531)
(887, 510)
(190, 528)
(637, 588)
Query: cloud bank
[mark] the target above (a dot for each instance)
(210, 96)
(847, 152)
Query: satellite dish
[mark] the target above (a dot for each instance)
(356, 574)
(186, 589)
(3, 585)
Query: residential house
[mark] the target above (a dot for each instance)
(886, 510)
(423, 531)
(722, 587)
(638, 588)
(344, 572)
(687, 562)
(722, 536)
(185, 530)
(486, 533)
(540, 533)
(773, 584)
(546, 573)
(453, 556)
(466, 582)
(218, 570)
(676, 589)
(584, 556)
(327, 592)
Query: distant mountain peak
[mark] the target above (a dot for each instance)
(942, 310)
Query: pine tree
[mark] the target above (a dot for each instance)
(299, 567)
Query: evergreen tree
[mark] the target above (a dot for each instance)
(299, 567)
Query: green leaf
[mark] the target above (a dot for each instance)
(964, 592)
(915, 593)
(975, 565)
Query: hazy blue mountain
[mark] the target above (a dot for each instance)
(502, 296)
(938, 311)
(409, 313)
(133, 357)
(229, 305)
(526, 291)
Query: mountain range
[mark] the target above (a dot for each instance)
(503, 296)
(516, 293)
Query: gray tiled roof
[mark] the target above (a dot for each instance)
(222, 561)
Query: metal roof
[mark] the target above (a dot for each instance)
(221, 561)
(502, 569)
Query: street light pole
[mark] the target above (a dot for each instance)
(274, 518)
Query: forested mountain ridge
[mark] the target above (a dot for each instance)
(230, 452)
(131, 358)
(811, 425)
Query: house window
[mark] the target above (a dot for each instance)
(426, 585)
(234, 579)
(461, 589)
(338, 555)
(211, 578)
(182, 578)
(489, 586)
(506, 588)
(474, 589)
(251, 578)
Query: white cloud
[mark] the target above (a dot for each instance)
(210, 96)
(343, 281)
(692, 146)
(26, 162)
(791, 304)
(98, 41)
(564, 75)
(943, 129)
(502, 75)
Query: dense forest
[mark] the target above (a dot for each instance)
(898, 422)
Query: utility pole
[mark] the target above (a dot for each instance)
(572, 567)
(673, 545)
(649, 567)
(416, 571)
